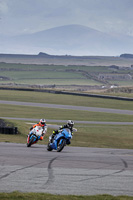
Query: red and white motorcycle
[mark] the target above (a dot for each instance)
(35, 134)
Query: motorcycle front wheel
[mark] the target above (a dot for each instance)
(49, 147)
(30, 142)
(61, 145)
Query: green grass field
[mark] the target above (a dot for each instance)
(59, 74)
(45, 74)
(42, 97)
(51, 81)
(37, 67)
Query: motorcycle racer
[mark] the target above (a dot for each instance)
(69, 125)
(41, 123)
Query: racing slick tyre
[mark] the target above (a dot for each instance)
(30, 142)
(61, 146)
(49, 147)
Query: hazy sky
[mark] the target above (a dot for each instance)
(28, 16)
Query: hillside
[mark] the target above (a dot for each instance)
(70, 40)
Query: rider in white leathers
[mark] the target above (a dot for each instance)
(42, 124)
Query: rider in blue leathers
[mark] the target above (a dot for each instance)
(69, 125)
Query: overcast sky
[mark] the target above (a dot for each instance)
(28, 16)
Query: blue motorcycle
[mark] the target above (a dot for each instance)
(60, 140)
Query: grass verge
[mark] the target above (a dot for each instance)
(60, 114)
(44, 196)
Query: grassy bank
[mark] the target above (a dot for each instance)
(40, 97)
(43, 196)
(60, 114)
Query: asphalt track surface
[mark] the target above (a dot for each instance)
(75, 170)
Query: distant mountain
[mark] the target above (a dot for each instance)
(71, 40)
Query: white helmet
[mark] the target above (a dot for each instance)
(70, 123)
(42, 121)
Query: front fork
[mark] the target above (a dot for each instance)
(28, 138)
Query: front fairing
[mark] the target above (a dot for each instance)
(65, 134)
(33, 136)
(38, 131)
